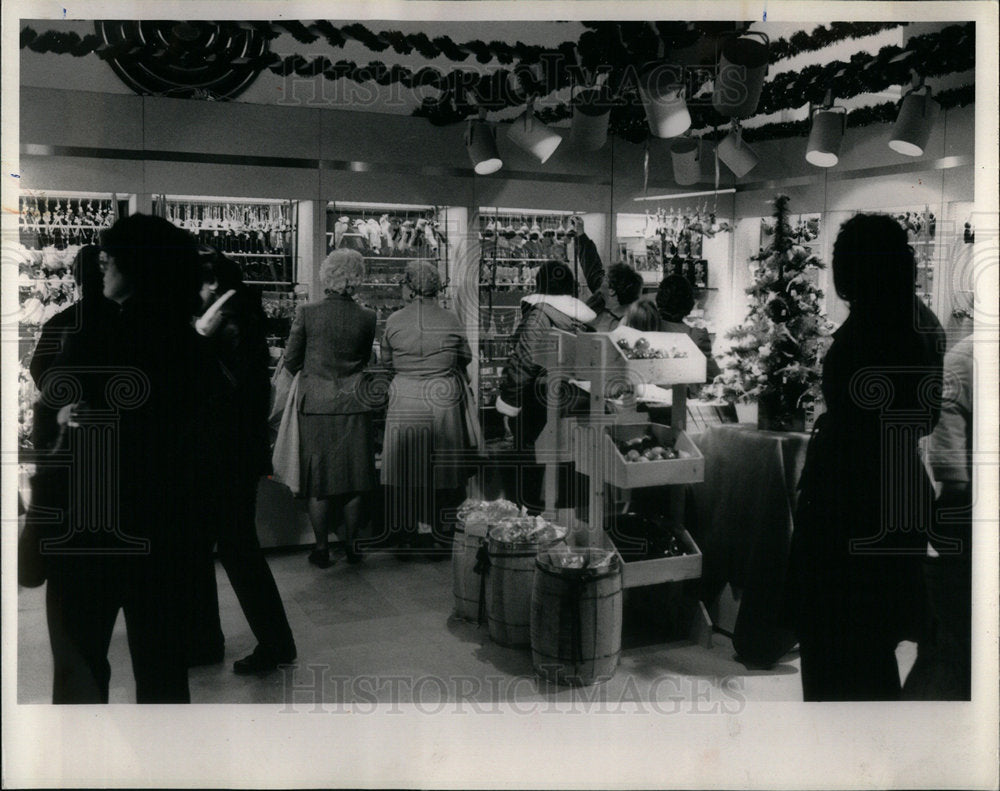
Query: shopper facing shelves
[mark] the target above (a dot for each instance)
(426, 438)
(330, 344)
(524, 380)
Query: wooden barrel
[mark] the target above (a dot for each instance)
(576, 623)
(467, 583)
(508, 590)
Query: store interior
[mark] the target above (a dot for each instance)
(291, 166)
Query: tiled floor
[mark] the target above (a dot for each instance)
(384, 631)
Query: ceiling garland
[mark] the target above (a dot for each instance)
(596, 41)
(464, 91)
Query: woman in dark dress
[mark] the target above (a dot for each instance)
(864, 507)
(138, 414)
(331, 343)
(233, 322)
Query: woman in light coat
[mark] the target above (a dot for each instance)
(330, 344)
(425, 454)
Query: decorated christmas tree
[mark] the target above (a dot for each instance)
(776, 353)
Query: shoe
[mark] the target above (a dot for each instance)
(260, 661)
(354, 558)
(320, 558)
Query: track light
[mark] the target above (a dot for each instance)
(826, 134)
(531, 135)
(481, 143)
(740, 79)
(661, 87)
(913, 125)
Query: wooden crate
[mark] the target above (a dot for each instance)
(633, 475)
(600, 350)
(639, 573)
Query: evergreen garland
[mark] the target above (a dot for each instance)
(464, 91)
(776, 353)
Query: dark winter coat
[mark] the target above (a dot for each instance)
(865, 502)
(523, 382)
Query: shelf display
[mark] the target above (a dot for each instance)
(669, 243)
(258, 234)
(51, 229)
(921, 230)
(512, 245)
(597, 441)
(389, 237)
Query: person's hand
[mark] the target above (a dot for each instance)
(67, 416)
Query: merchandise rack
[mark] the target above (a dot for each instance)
(260, 234)
(587, 441)
(513, 243)
(52, 226)
(389, 236)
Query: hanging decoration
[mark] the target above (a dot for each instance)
(207, 60)
(602, 45)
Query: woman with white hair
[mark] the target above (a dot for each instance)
(425, 453)
(330, 343)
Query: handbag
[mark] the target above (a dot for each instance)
(46, 515)
(285, 456)
(281, 381)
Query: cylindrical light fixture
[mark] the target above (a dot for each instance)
(591, 112)
(742, 68)
(531, 135)
(826, 134)
(481, 144)
(685, 153)
(661, 88)
(913, 125)
(736, 154)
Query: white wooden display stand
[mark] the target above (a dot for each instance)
(589, 441)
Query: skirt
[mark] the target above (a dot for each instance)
(337, 454)
(426, 442)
